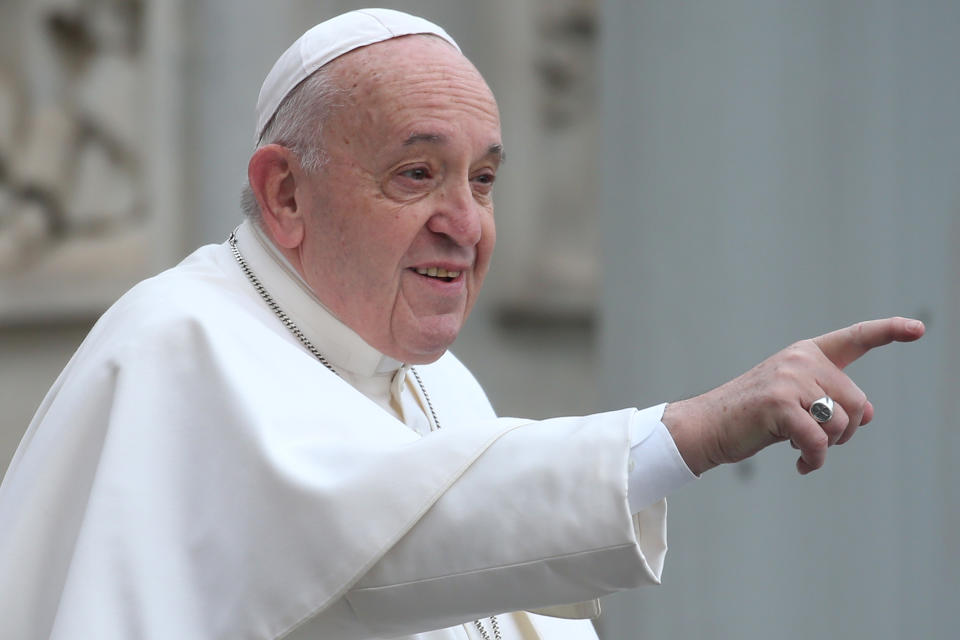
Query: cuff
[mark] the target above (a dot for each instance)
(655, 466)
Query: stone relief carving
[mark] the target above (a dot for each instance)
(561, 282)
(72, 142)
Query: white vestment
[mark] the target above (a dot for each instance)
(195, 473)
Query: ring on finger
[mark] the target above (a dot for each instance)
(822, 409)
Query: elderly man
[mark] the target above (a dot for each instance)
(242, 447)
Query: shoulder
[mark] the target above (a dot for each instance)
(201, 283)
(201, 301)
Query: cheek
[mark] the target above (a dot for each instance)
(384, 247)
(363, 232)
(487, 241)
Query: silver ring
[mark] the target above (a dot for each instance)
(822, 409)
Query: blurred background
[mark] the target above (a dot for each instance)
(690, 187)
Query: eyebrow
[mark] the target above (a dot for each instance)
(433, 138)
(495, 149)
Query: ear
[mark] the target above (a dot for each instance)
(273, 172)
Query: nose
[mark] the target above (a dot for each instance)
(457, 215)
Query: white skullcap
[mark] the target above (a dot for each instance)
(329, 40)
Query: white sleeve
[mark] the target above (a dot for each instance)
(540, 519)
(655, 465)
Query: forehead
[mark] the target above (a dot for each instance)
(413, 81)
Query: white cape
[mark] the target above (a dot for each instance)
(194, 473)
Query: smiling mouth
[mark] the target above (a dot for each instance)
(439, 274)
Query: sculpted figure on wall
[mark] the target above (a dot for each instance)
(560, 281)
(72, 127)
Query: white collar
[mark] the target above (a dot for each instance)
(339, 344)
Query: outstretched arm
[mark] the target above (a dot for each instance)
(770, 403)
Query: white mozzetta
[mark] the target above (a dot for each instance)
(195, 473)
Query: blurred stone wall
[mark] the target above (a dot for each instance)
(74, 208)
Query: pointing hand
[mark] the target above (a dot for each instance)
(770, 403)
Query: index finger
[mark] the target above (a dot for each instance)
(846, 345)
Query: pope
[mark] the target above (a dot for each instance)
(271, 439)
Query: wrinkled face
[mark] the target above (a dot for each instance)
(399, 221)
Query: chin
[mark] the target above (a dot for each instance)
(428, 343)
(424, 358)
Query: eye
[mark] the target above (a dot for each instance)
(413, 180)
(416, 173)
(484, 181)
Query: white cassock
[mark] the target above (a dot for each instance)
(194, 473)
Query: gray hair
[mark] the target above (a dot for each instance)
(298, 125)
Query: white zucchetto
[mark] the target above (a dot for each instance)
(330, 40)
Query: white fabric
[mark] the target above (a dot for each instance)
(656, 467)
(195, 473)
(330, 40)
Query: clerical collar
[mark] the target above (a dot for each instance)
(340, 344)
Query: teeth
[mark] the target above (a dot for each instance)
(436, 272)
